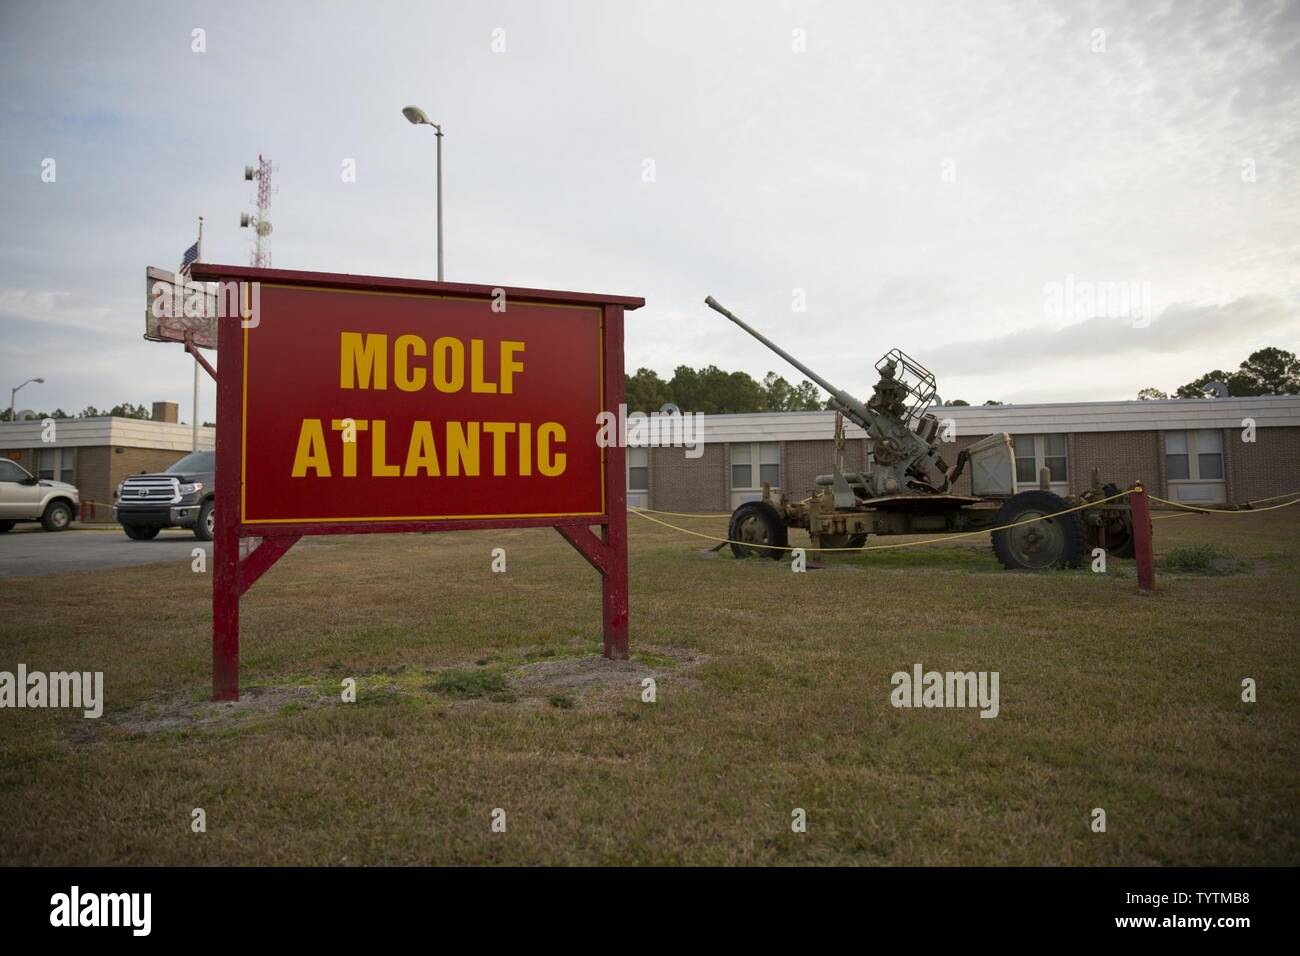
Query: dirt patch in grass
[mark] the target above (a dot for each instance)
(596, 678)
(188, 713)
(563, 682)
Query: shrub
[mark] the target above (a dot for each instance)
(468, 684)
(1201, 559)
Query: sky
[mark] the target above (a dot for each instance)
(1043, 202)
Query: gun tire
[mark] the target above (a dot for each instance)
(757, 522)
(1121, 544)
(1055, 542)
(843, 540)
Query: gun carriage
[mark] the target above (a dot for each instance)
(907, 486)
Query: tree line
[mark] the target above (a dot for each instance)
(714, 392)
(125, 410)
(1270, 371)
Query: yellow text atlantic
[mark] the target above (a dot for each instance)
(425, 447)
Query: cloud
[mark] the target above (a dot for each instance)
(48, 307)
(777, 170)
(1179, 328)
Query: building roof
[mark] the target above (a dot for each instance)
(1267, 411)
(112, 432)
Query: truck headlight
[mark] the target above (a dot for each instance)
(118, 493)
(191, 488)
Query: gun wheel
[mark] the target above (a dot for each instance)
(1057, 541)
(843, 540)
(757, 523)
(1119, 536)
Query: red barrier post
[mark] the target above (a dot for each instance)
(1143, 551)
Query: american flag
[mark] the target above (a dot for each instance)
(191, 254)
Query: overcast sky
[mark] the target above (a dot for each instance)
(925, 173)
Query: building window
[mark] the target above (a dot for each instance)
(1209, 455)
(1177, 463)
(638, 469)
(1054, 456)
(742, 469)
(769, 464)
(57, 464)
(1194, 465)
(1026, 463)
(753, 463)
(1036, 452)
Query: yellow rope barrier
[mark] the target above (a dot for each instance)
(882, 547)
(1285, 494)
(1225, 511)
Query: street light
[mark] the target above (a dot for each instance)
(14, 391)
(418, 118)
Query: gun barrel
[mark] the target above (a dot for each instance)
(849, 403)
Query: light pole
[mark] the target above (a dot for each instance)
(13, 392)
(418, 117)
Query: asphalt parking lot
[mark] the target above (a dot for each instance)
(30, 553)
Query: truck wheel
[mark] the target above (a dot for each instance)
(1054, 542)
(57, 517)
(757, 522)
(204, 527)
(139, 533)
(7, 526)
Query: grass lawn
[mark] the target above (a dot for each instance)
(478, 691)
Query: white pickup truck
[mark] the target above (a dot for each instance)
(24, 497)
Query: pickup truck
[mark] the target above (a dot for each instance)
(180, 497)
(24, 497)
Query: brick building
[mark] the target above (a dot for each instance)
(1196, 451)
(95, 454)
(1184, 450)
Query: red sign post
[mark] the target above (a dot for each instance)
(359, 404)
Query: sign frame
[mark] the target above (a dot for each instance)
(233, 574)
(176, 326)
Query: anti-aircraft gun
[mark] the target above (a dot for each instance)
(906, 487)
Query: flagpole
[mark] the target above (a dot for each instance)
(194, 425)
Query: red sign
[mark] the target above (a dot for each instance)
(380, 406)
(353, 404)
